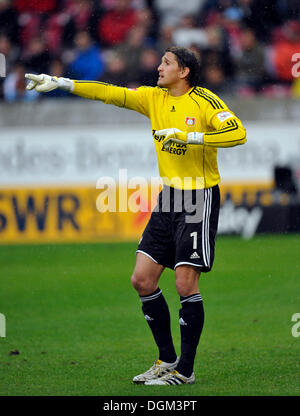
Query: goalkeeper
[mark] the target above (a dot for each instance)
(189, 124)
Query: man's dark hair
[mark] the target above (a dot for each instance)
(187, 58)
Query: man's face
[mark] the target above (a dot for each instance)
(169, 72)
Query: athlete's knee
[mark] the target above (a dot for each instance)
(187, 281)
(142, 283)
(184, 289)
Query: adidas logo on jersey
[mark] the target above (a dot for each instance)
(195, 255)
(148, 318)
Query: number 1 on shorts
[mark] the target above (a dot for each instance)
(194, 237)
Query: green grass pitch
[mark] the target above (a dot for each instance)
(76, 323)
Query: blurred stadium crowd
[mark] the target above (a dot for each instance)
(245, 46)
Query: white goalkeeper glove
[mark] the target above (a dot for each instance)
(178, 136)
(46, 83)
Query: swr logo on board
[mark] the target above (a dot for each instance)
(33, 211)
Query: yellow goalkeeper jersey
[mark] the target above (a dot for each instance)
(199, 110)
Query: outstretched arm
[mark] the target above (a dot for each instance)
(110, 94)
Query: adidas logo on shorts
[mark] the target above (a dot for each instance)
(195, 255)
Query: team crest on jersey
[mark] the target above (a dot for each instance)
(190, 121)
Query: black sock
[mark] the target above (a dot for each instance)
(191, 319)
(157, 314)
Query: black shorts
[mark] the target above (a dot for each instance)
(182, 228)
